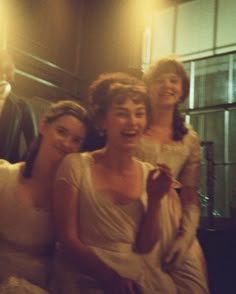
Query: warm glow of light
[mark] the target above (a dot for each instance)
(144, 9)
(3, 26)
(144, 5)
(146, 54)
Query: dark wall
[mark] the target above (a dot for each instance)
(44, 39)
(67, 43)
(111, 38)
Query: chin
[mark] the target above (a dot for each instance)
(58, 157)
(129, 147)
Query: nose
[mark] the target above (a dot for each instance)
(132, 119)
(67, 144)
(166, 83)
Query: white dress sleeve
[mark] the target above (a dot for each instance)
(70, 170)
(190, 173)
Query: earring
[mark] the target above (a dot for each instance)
(101, 132)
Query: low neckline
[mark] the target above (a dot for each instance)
(96, 191)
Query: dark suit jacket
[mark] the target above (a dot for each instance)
(17, 118)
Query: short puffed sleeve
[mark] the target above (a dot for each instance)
(190, 174)
(70, 170)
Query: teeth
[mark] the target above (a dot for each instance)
(129, 132)
(167, 94)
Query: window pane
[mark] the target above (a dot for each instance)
(214, 131)
(234, 79)
(220, 199)
(211, 81)
(210, 127)
(232, 135)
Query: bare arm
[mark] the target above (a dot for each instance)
(150, 229)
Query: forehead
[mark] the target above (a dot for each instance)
(128, 103)
(69, 121)
(169, 75)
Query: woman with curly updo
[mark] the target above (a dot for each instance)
(108, 204)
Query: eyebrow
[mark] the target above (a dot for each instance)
(124, 108)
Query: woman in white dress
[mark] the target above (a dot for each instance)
(110, 208)
(171, 141)
(26, 227)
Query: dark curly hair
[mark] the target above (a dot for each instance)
(117, 87)
(56, 110)
(171, 65)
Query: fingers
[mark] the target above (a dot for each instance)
(170, 261)
(137, 288)
(172, 256)
(134, 288)
(152, 174)
(158, 172)
(164, 168)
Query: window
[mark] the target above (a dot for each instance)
(213, 115)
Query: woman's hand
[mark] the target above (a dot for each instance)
(158, 183)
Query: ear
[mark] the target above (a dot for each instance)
(42, 126)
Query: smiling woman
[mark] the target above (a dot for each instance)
(26, 227)
(171, 141)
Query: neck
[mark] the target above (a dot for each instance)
(44, 170)
(163, 118)
(119, 161)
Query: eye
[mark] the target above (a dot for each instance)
(61, 131)
(141, 113)
(174, 80)
(159, 81)
(121, 113)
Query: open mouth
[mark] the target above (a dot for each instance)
(167, 94)
(129, 134)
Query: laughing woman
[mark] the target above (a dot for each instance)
(171, 141)
(26, 227)
(108, 204)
